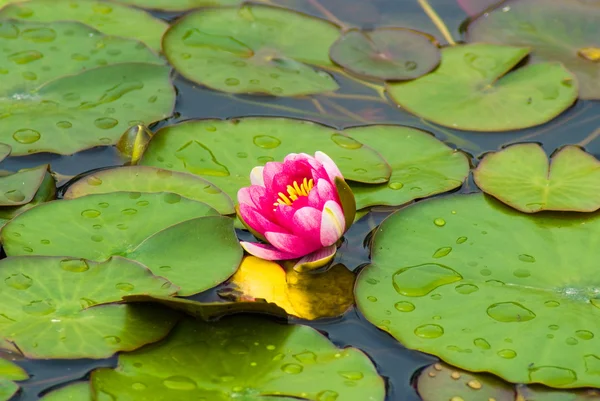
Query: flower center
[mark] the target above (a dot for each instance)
(294, 191)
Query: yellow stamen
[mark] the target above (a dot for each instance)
(294, 191)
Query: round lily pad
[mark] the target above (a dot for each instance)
(52, 307)
(556, 30)
(225, 151)
(98, 226)
(256, 359)
(310, 296)
(522, 177)
(386, 53)
(472, 89)
(209, 311)
(107, 17)
(441, 382)
(195, 255)
(178, 5)
(20, 188)
(149, 179)
(10, 371)
(66, 87)
(46, 192)
(422, 166)
(79, 391)
(252, 49)
(487, 288)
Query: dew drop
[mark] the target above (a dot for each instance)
(522, 273)
(179, 383)
(19, 281)
(372, 298)
(74, 265)
(97, 238)
(232, 81)
(39, 35)
(571, 341)
(171, 198)
(327, 395)
(266, 141)
(124, 287)
(584, 334)
(292, 368)
(25, 57)
(345, 141)
(306, 357)
(441, 252)
(39, 308)
(91, 213)
(64, 124)
(14, 195)
(551, 304)
(351, 375)
(86, 303)
(510, 312)
(552, 375)
(26, 136)
(113, 340)
(466, 289)
(439, 222)
(420, 280)
(481, 343)
(592, 364)
(461, 240)
(429, 331)
(507, 353)
(526, 258)
(404, 306)
(395, 185)
(105, 122)
(93, 181)
(129, 211)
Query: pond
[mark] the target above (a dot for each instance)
(462, 132)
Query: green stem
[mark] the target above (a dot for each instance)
(437, 21)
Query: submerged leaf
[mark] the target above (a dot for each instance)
(522, 177)
(472, 89)
(487, 288)
(252, 49)
(257, 359)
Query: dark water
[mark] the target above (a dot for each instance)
(393, 361)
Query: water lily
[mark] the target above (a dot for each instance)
(300, 207)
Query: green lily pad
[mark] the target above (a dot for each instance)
(10, 371)
(195, 255)
(178, 5)
(20, 188)
(421, 165)
(149, 179)
(210, 310)
(256, 359)
(541, 393)
(386, 53)
(48, 319)
(441, 382)
(555, 30)
(472, 89)
(225, 151)
(252, 49)
(487, 288)
(46, 192)
(159, 230)
(522, 177)
(67, 87)
(4, 151)
(107, 17)
(79, 391)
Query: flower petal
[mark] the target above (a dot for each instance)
(290, 243)
(265, 251)
(306, 224)
(329, 165)
(332, 223)
(258, 222)
(270, 170)
(257, 197)
(318, 258)
(256, 176)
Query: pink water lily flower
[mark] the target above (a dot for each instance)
(300, 207)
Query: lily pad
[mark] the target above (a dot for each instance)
(10, 371)
(44, 107)
(422, 166)
(46, 192)
(522, 177)
(178, 5)
(556, 30)
(195, 255)
(98, 226)
(20, 188)
(386, 53)
(225, 151)
(48, 319)
(441, 382)
(309, 296)
(472, 89)
(253, 49)
(211, 310)
(257, 359)
(107, 17)
(149, 179)
(79, 391)
(541, 393)
(487, 288)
